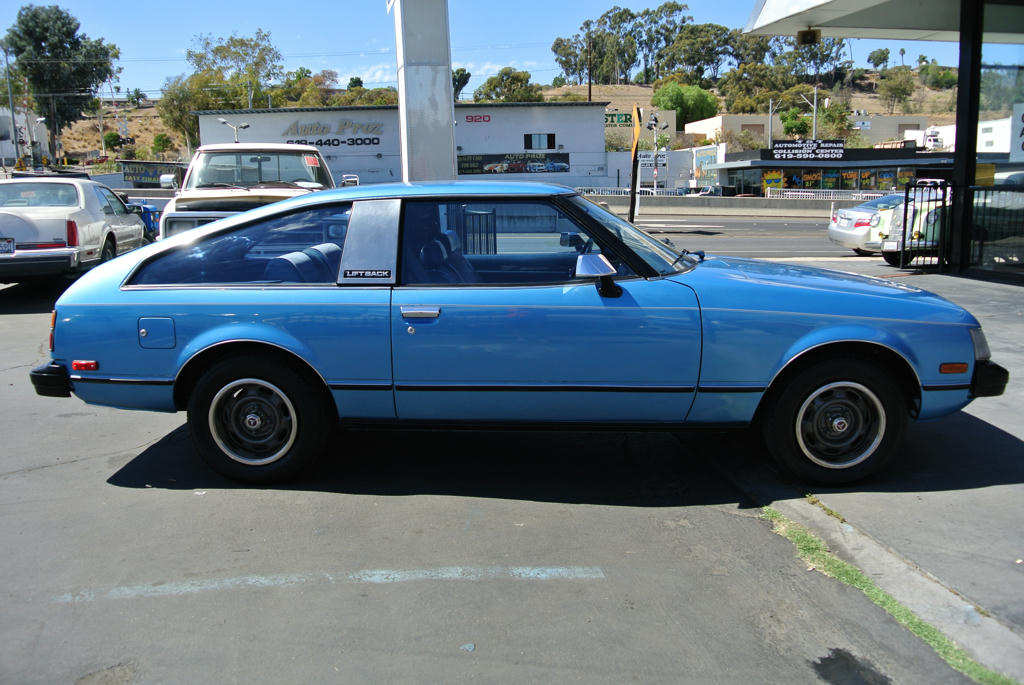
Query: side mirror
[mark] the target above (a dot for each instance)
(598, 266)
(168, 181)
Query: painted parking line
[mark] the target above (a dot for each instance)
(375, 576)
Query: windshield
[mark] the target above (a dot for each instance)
(248, 168)
(659, 256)
(38, 195)
(884, 202)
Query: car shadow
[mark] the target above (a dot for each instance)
(617, 469)
(960, 452)
(36, 297)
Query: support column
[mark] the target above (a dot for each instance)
(966, 154)
(426, 109)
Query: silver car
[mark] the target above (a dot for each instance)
(53, 225)
(858, 227)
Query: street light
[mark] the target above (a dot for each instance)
(652, 126)
(234, 128)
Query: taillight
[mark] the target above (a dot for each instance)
(53, 325)
(72, 230)
(862, 222)
(835, 218)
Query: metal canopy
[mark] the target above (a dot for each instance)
(885, 19)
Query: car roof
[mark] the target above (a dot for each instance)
(444, 189)
(51, 179)
(248, 147)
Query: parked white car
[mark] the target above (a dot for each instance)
(54, 225)
(858, 227)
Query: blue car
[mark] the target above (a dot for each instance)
(500, 304)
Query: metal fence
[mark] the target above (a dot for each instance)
(810, 194)
(618, 192)
(997, 228)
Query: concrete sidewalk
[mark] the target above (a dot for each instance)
(942, 530)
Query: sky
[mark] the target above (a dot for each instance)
(358, 38)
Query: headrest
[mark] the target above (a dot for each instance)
(453, 242)
(433, 255)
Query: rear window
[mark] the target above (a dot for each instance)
(884, 202)
(38, 195)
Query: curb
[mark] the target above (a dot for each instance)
(982, 636)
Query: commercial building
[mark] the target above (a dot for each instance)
(562, 142)
(873, 128)
(986, 220)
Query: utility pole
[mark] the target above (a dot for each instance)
(814, 116)
(10, 103)
(771, 114)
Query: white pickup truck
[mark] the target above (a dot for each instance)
(228, 178)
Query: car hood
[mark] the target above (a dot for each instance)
(734, 283)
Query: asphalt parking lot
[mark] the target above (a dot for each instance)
(470, 556)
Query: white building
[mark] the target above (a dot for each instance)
(993, 136)
(27, 126)
(562, 142)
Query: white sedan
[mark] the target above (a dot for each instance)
(56, 225)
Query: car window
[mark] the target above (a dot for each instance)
(38, 195)
(884, 202)
(108, 199)
(303, 247)
(499, 242)
(658, 255)
(251, 167)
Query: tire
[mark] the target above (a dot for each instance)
(892, 258)
(109, 251)
(836, 421)
(255, 420)
(862, 253)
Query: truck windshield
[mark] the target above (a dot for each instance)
(247, 168)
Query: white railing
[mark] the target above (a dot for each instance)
(808, 194)
(608, 191)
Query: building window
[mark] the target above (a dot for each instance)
(539, 141)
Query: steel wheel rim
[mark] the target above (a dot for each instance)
(840, 425)
(253, 422)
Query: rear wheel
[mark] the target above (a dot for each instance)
(109, 250)
(893, 258)
(254, 419)
(863, 253)
(836, 421)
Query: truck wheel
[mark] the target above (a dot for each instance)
(255, 420)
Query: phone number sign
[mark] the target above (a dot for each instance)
(808, 149)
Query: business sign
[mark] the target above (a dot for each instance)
(702, 159)
(1017, 133)
(618, 120)
(515, 163)
(147, 172)
(808, 149)
(647, 159)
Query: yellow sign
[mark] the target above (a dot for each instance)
(985, 175)
(636, 128)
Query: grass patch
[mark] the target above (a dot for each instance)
(815, 552)
(813, 499)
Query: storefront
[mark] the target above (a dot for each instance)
(987, 215)
(558, 142)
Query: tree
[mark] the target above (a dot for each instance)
(355, 82)
(136, 97)
(311, 96)
(364, 96)
(242, 65)
(903, 51)
(690, 103)
(879, 58)
(460, 78)
(699, 49)
(183, 95)
(896, 86)
(794, 123)
(508, 86)
(112, 139)
(63, 67)
(161, 144)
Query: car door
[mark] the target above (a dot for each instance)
(512, 336)
(127, 227)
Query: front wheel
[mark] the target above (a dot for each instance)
(836, 421)
(254, 419)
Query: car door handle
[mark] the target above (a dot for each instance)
(421, 312)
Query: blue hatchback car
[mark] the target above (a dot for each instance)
(500, 304)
